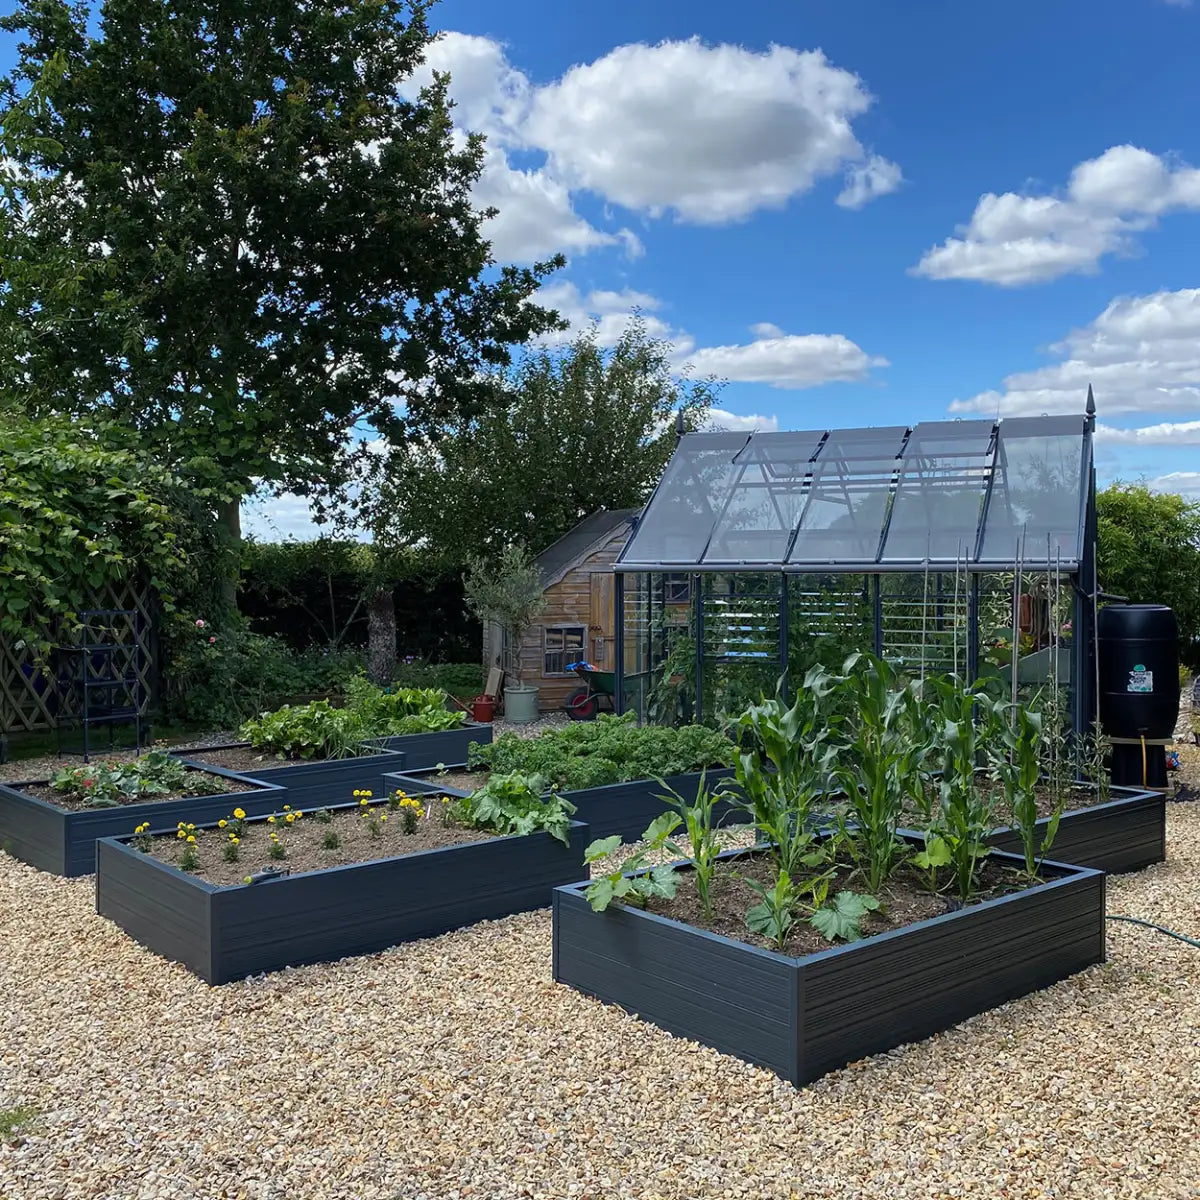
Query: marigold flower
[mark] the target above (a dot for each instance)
(289, 818)
(191, 839)
(221, 824)
(271, 819)
(239, 814)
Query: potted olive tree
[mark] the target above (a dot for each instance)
(509, 593)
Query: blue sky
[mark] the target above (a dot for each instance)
(860, 211)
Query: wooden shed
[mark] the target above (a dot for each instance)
(577, 622)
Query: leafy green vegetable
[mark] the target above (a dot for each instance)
(842, 919)
(516, 804)
(608, 750)
(110, 784)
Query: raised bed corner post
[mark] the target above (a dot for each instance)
(619, 646)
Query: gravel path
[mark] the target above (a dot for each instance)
(455, 1068)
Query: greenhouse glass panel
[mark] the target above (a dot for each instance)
(678, 522)
(765, 500)
(848, 499)
(1036, 499)
(939, 498)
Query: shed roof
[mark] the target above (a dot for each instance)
(575, 545)
(980, 494)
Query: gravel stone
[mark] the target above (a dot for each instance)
(456, 1068)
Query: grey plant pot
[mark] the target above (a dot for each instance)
(520, 704)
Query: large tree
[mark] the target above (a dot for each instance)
(1149, 551)
(237, 226)
(573, 429)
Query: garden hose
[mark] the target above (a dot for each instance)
(1157, 928)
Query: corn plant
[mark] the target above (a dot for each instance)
(774, 916)
(880, 768)
(967, 720)
(1016, 755)
(784, 765)
(704, 844)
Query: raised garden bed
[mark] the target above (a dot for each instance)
(1126, 833)
(223, 933)
(804, 1016)
(62, 840)
(621, 809)
(316, 783)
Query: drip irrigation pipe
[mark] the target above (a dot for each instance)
(1157, 928)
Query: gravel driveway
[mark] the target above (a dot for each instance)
(455, 1068)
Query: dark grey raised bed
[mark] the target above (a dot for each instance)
(625, 809)
(227, 933)
(1126, 833)
(330, 781)
(439, 747)
(803, 1017)
(63, 841)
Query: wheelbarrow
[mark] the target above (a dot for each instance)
(598, 692)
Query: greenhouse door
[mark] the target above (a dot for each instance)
(601, 627)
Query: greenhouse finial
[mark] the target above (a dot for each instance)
(1091, 408)
(680, 424)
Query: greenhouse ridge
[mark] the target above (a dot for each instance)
(965, 494)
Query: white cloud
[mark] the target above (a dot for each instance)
(1183, 483)
(1172, 433)
(867, 181)
(776, 358)
(1013, 239)
(1142, 355)
(787, 360)
(709, 133)
(720, 418)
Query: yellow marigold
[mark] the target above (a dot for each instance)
(363, 801)
(357, 793)
(383, 816)
(233, 837)
(271, 819)
(191, 839)
(287, 808)
(298, 814)
(239, 814)
(181, 834)
(222, 824)
(179, 826)
(290, 818)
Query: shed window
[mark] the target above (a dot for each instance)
(563, 644)
(677, 588)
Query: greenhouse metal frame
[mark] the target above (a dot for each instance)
(895, 539)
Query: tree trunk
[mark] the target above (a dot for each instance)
(229, 517)
(381, 636)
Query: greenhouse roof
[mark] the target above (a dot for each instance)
(968, 494)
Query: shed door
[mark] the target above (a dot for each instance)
(601, 625)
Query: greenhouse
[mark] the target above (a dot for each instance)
(963, 546)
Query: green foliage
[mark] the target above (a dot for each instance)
(219, 674)
(841, 920)
(1015, 753)
(247, 232)
(509, 592)
(14, 1120)
(516, 804)
(784, 765)
(608, 750)
(81, 507)
(320, 730)
(881, 766)
(634, 880)
(704, 845)
(570, 431)
(109, 784)
(775, 914)
(1149, 551)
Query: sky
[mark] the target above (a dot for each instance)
(860, 212)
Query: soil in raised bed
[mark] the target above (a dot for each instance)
(303, 842)
(1075, 799)
(904, 902)
(214, 785)
(247, 760)
(462, 781)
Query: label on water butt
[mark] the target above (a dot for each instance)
(1140, 680)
